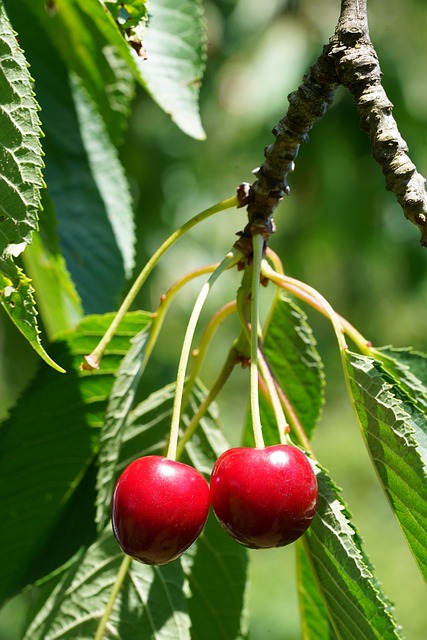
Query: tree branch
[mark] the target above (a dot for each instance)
(358, 69)
(348, 59)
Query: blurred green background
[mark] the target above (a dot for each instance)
(340, 231)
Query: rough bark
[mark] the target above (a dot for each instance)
(348, 59)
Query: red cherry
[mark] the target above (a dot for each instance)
(264, 497)
(159, 508)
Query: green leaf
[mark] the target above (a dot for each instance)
(17, 299)
(217, 571)
(291, 353)
(57, 299)
(357, 607)
(90, 45)
(108, 175)
(21, 155)
(395, 431)
(174, 41)
(119, 404)
(128, 14)
(409, 370)
(315, 621)
(152, 597)
(20, 183)
(48, 446)
(86, 182)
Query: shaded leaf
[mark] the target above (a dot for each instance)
(174, 41)
(217, 571)
(21, 155)
(17, 299)
(86, 182)
(152, 597)
(108, 175)
(357, 607)
(395, 432)
(48, 446)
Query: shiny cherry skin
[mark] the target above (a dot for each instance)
(264, 497)
(159, 508)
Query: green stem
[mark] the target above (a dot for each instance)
(92, 361)
(121, 575)
(276, 405)
(231, 258)
(275, 260)
(355, 336)
(200, 353)
(228, 367)
(165, 303)
(294, 421)
(258, 244)
(310, 295)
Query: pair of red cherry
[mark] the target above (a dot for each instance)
(262, 497)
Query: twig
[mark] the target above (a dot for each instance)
(358, 69)
(348, 59)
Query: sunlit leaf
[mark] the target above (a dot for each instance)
(174, 42)
(21, 155)
(128, 14)
(409, 369)
(152, 597)
(356, 605)
(17, 299)
(395, 432)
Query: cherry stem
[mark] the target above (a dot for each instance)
(231, 259)
(230, 363)
(305, 293)
(286, 407)
(121, 575)
(276, 405)
(308, 294)
(92, 361)
(166, 301)
(258, 245)
(200, 352)
(294, 421)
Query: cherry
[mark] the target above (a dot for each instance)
(159, 508)
(264, 497)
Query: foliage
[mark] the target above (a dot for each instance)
(74, 427)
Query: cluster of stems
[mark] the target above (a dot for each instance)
(259, 265)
